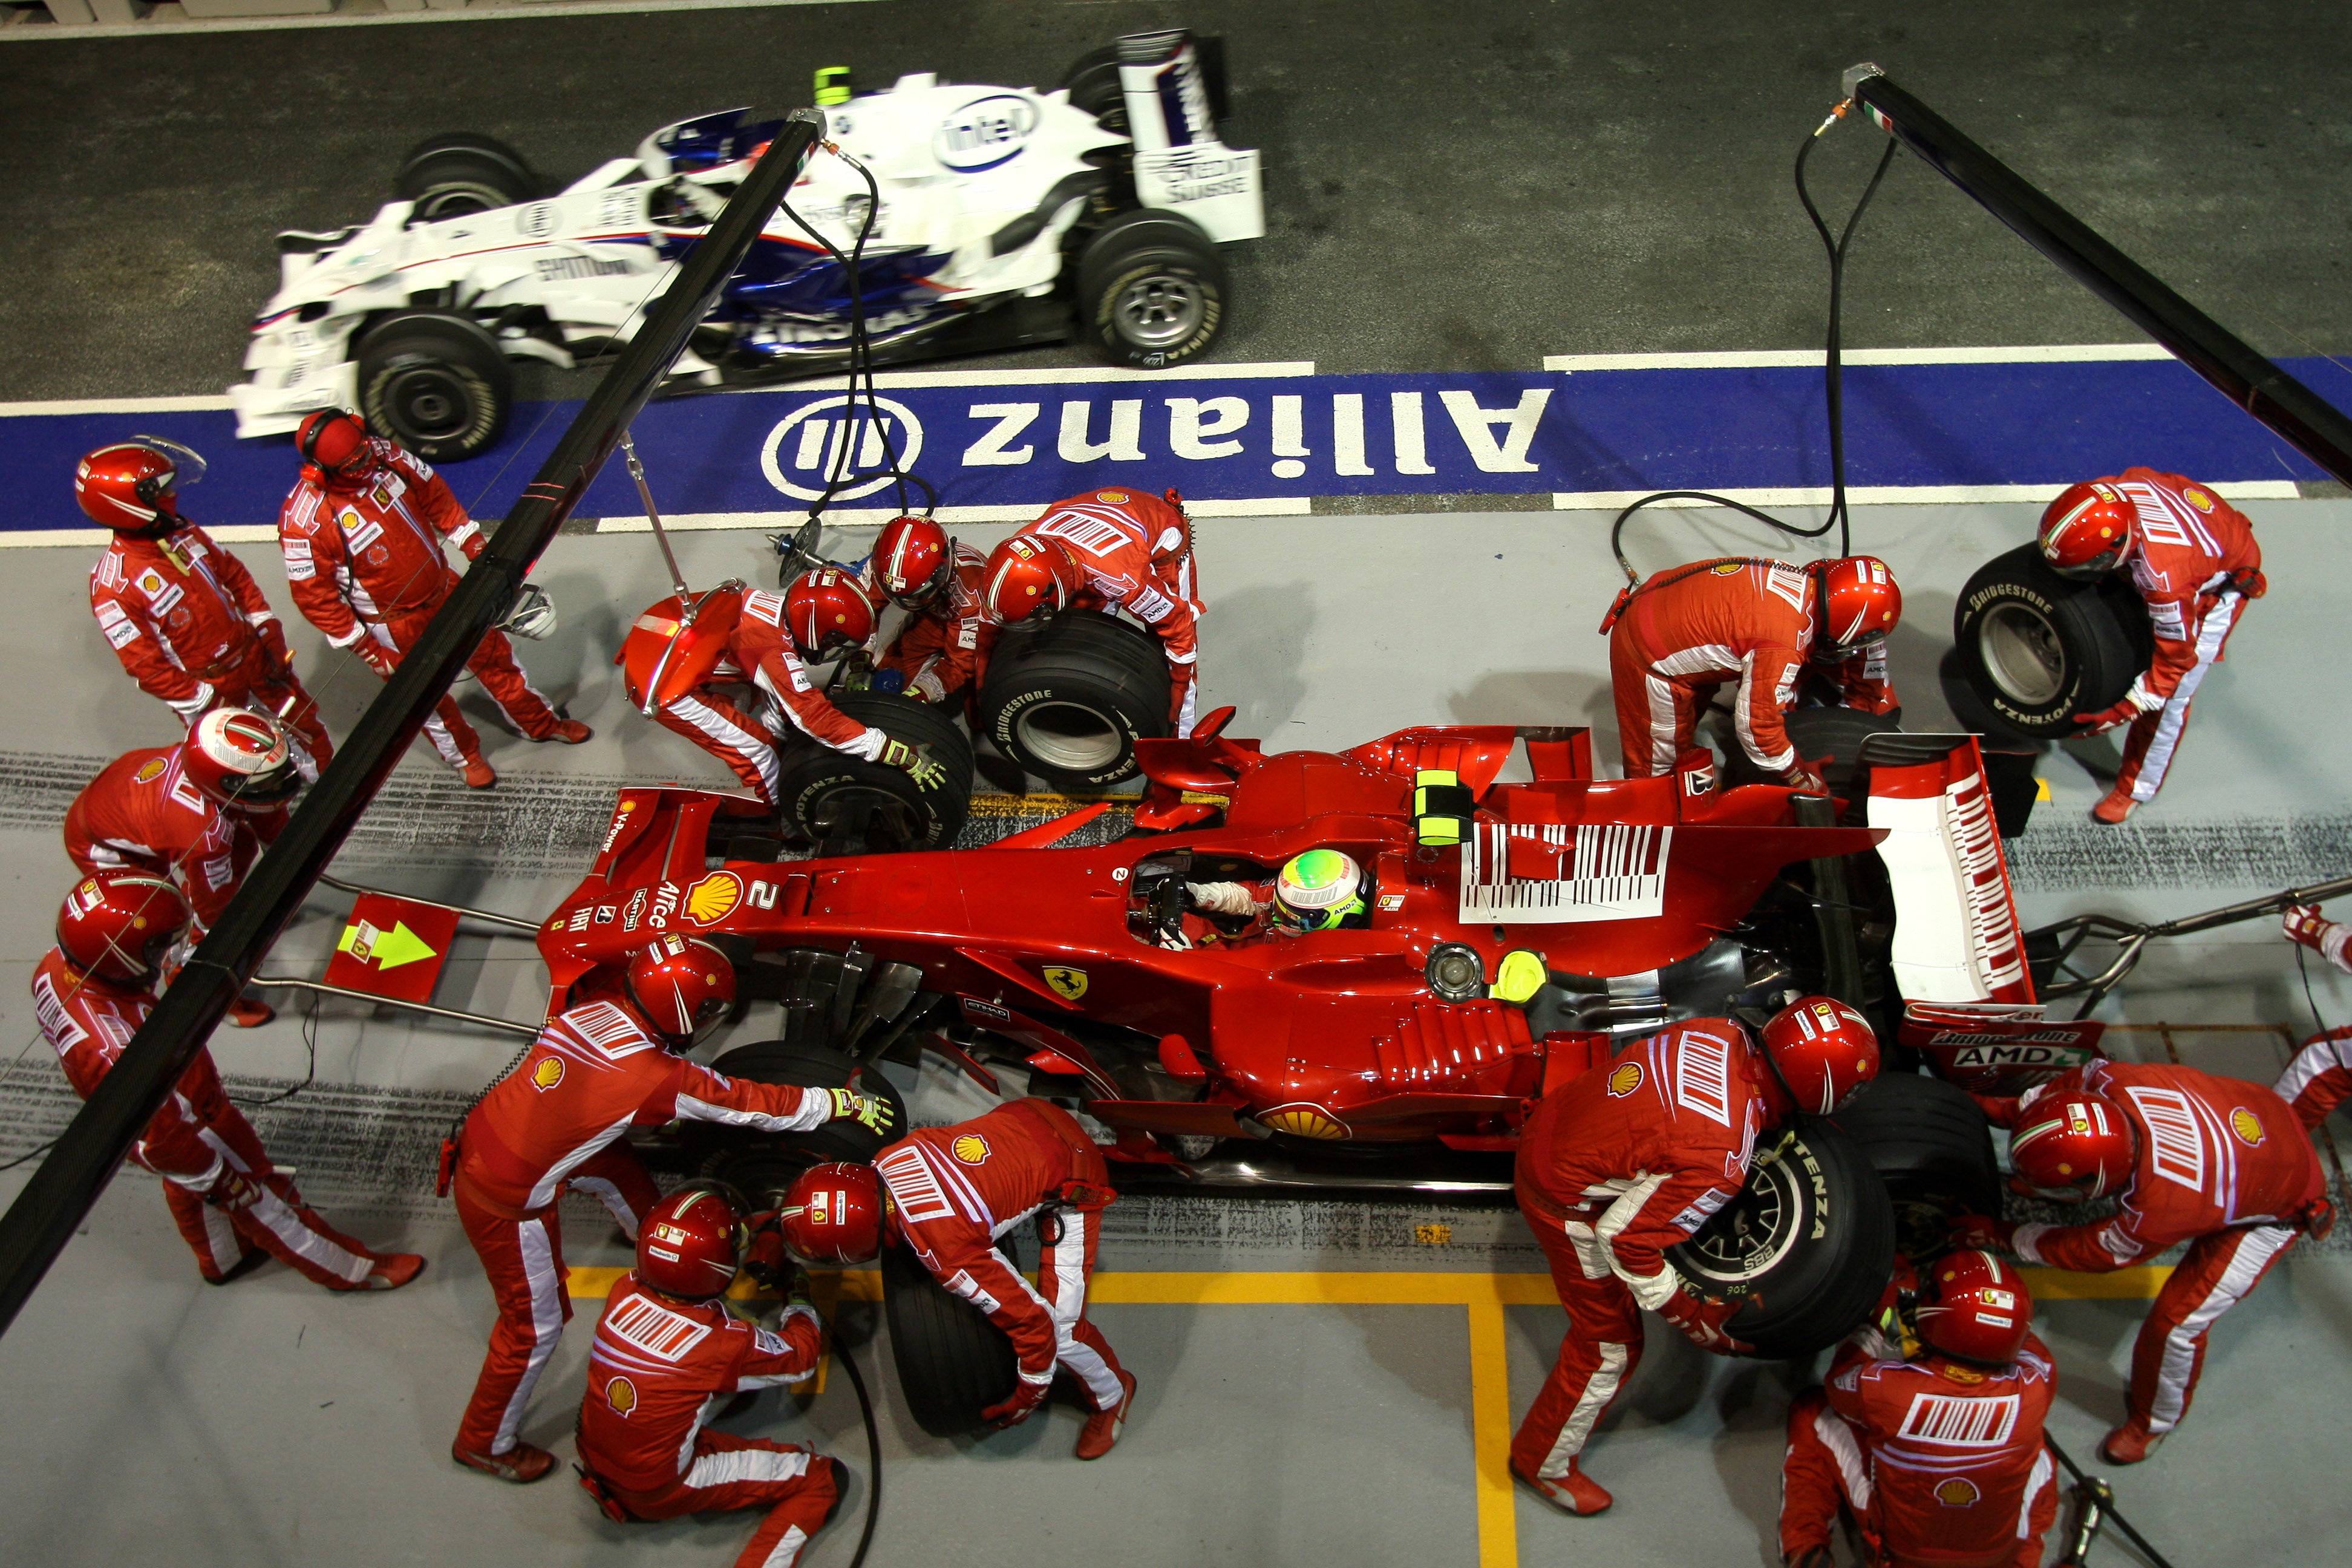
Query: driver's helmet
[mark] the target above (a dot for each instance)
(1322, 890)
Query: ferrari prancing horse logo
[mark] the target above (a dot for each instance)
(1069, 984)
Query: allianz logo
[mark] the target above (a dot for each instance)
(1344, 435)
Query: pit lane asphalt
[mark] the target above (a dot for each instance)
(1450, 188)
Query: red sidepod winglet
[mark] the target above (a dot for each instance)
(1046, 835)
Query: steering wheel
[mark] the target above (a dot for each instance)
(1167, 900)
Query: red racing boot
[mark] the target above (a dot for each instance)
(247, 1015)
(2113, 808)
(570, 731)
(1574, 1492)
(1103, 1427)
(521, 1464)
(478, 774)
(2128, 1444)
(392, 1271)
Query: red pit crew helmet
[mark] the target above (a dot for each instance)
(2072, 1148)
(682, 986)
(686, 1244)
(1978, 1309)
(116, 924)
(335, 449)
(2087, 532)
(1821, 1050)
(910, 562)
(832, 1214)
(132, 486)
(1026, 573)
(1860, 605)
(242, 760)
(825, 611)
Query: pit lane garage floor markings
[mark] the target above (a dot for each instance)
(1484, 1296)
(172, 18)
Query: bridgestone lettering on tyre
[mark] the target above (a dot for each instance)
(1067, 696)
(2037, 648)
(438, 385)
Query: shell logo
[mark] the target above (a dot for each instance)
(148, 773)
(972, 1149)
(621, 1394)
(1957, 1492)
(1625, 1079)
(547, 1074)
(2248, 1127)
(1957, 1373)
(1114, 497)
(1730, 568)
(1305, 1122)
(2198, 499)
(711, 899)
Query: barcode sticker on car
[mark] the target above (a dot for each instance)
(1615, 872)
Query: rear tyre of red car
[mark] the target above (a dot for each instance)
(851, 806)
(461, 173)
(1835, 733)
(2039, 648)
(1067, 697)
(437, 384)
(1153, 289)
(953, 1361)
(1808, 1244)
(1932, 1146)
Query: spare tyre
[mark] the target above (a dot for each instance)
(953, 1361)
(1930, 1143)
(1067, 696)
(850, 807)
(1808, 1244)
(2038, 648)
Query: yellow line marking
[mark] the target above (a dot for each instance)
(2123, 1285)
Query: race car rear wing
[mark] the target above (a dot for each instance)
(1172, 100)
(1957, 937)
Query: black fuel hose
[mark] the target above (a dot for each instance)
(2114, 1515)
(873, 1452)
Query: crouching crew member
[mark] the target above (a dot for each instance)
(2217, 1163)
(1676, 638)
(666, 1350)
(233, 1208)
(1934, 1444)
(2193, 558)
(942, 650)
(947, 1192)
(2319, 1078)
(1627, 1160)
(1110, 549)
(556, 1120)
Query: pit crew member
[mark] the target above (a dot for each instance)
(1931, 1437)
(361, 534)
(233, 1208)
(1104, 549)
(1624, 1162)
(947, 1192)
(1765, 625)
(185, 616)
(943, 648)
(1322, 890)
(666, 1351)
(555, 1120)
(2319, 1078)
(776, 638)
(196, 814)
(2220, 1164)
(2193, 558)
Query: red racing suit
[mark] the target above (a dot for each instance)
(759, 654)
(943, 649)
(552, 1122)
(1613, 1169)
(189, 625)
(2319, 1078)
(954, 1190)
(1942, 1464)
(194, 1141)
(1737, 619)
(2224, 1165)
(370, 564)
(659, 1366)
(1136, 551)
(2195, 566)
(141, 812)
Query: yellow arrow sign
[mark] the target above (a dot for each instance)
(386, 949)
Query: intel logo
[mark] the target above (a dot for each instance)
(984, 133)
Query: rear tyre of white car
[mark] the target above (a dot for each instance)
(455, 174)
(1152, 289)
(437, 384)
(851, 806)
(1067, 696)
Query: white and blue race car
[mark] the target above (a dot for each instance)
(1007, 216)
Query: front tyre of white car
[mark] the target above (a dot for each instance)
(437, 384)
(1153, 289)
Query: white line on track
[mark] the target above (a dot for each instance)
(874, 517)
(170, 20)
(1888, 495)
(1767, 359)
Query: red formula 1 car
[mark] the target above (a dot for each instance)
(1630, 904)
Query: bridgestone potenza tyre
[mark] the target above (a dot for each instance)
(1808, 1243)
(1067, 696)
(437, 384)
(1152, 289)
(2038, 648)
(953, 1361)
(452, 175)
(827, 793)
(814, 1066)
(1932, 1146)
